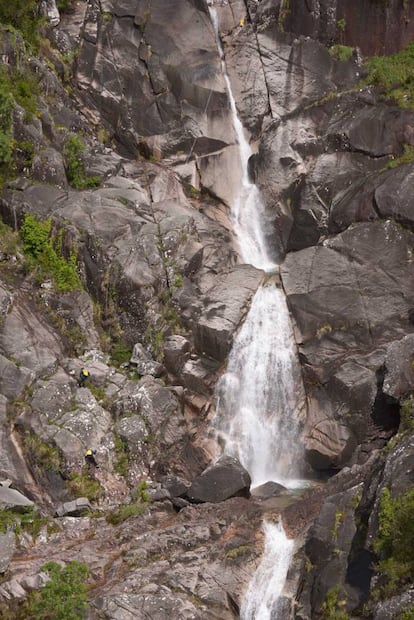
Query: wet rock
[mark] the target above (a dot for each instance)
(268, 489)
(220, 481)
(329, 445)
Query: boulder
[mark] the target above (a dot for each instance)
(329, 445)
(75, 508)
(224, 479)
(268, 489)
(399, 374)
(176, 352)
(224, 307)
(11, 498)
(143, 362)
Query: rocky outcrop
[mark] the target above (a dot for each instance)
(344, 22)
(224, 479)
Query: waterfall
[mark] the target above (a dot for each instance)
(259, 396)
(247, 212)
(262, 600)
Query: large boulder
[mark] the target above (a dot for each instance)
(225, 305)
(224, 479)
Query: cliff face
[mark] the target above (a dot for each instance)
(374, 26)
(135, 167)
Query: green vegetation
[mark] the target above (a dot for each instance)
(395, 74)
(333, 605)
(121, 465)
(25, 518)
(395, 542)
(237, 552)
(341, 24)
(407, 415)
(63, 597)
(120, 353)
(82, 485)
(75, 168)
(406, 158)
(126, 511)
(9, 239)
(44, 455)
(23, 16)
(44, 251)
(6, 108)
(141, 492)
(341, 52)
(408, 614)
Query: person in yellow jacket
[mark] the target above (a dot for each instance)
(90, 458)
(83, 376)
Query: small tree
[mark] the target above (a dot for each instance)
(64, 596)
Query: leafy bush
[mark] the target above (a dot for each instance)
(395, 541)
(333, 605)
(63, 597)
(341, 52)
(75, 169)
(8, 238)
(125, 512)
(41, 248)
(23, 16)
(83, 485)
(395, 74)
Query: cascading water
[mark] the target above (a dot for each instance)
(262, 596)
(259, 396)
(247, 212)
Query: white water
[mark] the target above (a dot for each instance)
(262, 601)
(247, 212)
(259, 395)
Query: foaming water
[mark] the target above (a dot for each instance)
(262, 600)
(258, 396)
(248, 210)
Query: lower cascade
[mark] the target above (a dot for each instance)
(259, 395)
(262, 600)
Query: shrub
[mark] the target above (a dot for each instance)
(395, 74)
(45, 251)
(332, 606)
(341, 52)
(83, 485)
(23, 16)
(395, 541)
(75, 169)
(125, 512)
(63, 597)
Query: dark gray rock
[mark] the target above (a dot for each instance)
(143, 362)
(176, 352)
(224, 479)
(268, 489)
(225, 306)
(75, 508)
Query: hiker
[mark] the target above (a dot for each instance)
(83, 376)
(90, 458)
